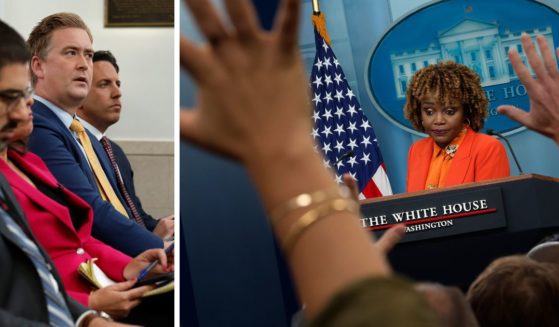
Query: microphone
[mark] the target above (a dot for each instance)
(492, 132)
(344, 156)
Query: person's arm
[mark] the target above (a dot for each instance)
(253, 105)
(109, 225)
(543, 90)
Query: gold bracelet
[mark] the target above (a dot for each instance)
(307, 199)
(313, 215)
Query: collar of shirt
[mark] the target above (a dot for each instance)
(98, 135)
(65, 117)
(451, 148)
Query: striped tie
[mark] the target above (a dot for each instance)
(105, 188)
(59, 314)
(120, 182)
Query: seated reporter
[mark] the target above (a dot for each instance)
(446, 101)
(263, 119)
(62, 223)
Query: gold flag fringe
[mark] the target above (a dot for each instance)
(319, 21)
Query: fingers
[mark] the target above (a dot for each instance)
(194, 60)
(188, 125)
(533, 58)
(137, 292)
(391, 237)
(287, 25)
(244, 19)
(208, 20)
(516, 114)
(352, 185)
(547, 55)
(521, 70)
(122, 286)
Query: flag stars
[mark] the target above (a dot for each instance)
(336, 63)
(352, 127)
(327, 114)
(366, 141)
(339, 112)
(317, 81)
(328, 80)
(316, 116)
(352, 161)
(328, 97)
(365, 125)
(353, 175)
(339, 179)
(339, 95)
(339, 129)
(339, 146)
(318, 63)
(338, 77)
(327, 131)
(327, 63)
(325, 45)
(326, 148)
(326, 163)
(365, 158)
(352, 143)
(316, 99)
(315, 133)
(352, 110)
(350, 94)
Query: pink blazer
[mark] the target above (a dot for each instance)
(52, 225)
(480, 157)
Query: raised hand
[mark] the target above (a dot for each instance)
(251, 83)
(543, 90)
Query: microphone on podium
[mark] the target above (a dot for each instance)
(344, 156)
(492, 132)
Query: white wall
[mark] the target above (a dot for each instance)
(145, 57)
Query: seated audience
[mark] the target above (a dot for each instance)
(516, 291)
(247, 116)
(31, 291)
(449, 303)
(446, 101)
(61, 67)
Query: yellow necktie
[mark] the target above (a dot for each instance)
(107, 192)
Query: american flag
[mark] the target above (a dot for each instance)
(341, 130)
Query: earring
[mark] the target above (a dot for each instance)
(468, 122)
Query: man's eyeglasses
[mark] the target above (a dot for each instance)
(11, 97)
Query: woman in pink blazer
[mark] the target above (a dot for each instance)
(446, 102)
(62, 223)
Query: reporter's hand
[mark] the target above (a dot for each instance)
(352, 185)
(252, 86)
(165, 227)
(132, 270)
(390, 238)
(117, 300)
(543, 90)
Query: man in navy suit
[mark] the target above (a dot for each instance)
(101, 109)
(27, 271)
(61, 64)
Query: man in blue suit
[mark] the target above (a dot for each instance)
(101, 109)
(61, 46)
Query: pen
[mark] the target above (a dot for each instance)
(148, 268)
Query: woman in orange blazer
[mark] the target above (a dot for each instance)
(446, 102)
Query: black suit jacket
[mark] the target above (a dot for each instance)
(128, 178)
(22, 301)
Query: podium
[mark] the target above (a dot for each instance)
(455, 232)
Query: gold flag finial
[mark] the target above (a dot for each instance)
(319, 21)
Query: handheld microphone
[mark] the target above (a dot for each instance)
(344, 156)
(492, 132)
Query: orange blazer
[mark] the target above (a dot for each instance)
(480, 157)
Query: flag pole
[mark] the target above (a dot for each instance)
(315, 7)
